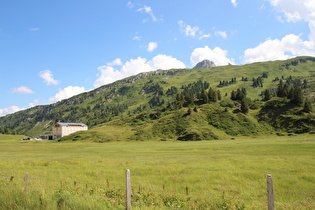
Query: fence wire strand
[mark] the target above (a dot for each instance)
(9, 178)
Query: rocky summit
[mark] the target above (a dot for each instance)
(205, 64)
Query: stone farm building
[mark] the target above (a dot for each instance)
(61, 129)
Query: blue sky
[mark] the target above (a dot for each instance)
(53, 49)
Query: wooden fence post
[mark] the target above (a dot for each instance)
(128, 190)
(25, 183)
(270, 192)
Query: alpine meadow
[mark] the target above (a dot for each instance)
(201, 138)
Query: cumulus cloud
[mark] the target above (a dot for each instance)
(288, 47)
(234, 3)
(66, 93)
(48, 77)
(22, 90)
(165, 62)
(217, 55)
(9, 110)
(298, 10)
(152, 46)
(116, 62)
(108, 74)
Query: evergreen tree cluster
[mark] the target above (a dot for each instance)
(295, 82)
(257, 82)
(265, 74)
(292, 92)
(151, 87)
(158, 92)
(5, 130)
(194, 93)
(298, 61)
(239, 94)
(195, 87)
(172, 91)
(226, 83)
(292, 89)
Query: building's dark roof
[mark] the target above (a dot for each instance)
(71, 124)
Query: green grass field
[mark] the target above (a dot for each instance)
(220, 174)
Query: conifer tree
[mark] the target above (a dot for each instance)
(297, 96)
(233, 95)
(290, 93)
(211, 95)
(215, 96)
(240, 94)
(219, 95)
(305, 84)
(204, 96)
(307, 106)
(267, 95)
(280, 89)
(286, 90)
(244, 106)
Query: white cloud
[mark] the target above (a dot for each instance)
(135, 66)
(116, 62)
(192, 31)
(223, 34)
(165, 62)
(234, 2)
(152, 46)
(189, 30)
(130, 5)
(9, 110)
(298, 10)
(108, 74)
(288, 47)
(34, 103)
(205, 36)
(148, 10)
(217, 55)
(48, 77)
(137, 38)
(22, 90)
(66, 93)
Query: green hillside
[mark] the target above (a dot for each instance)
(186, 104)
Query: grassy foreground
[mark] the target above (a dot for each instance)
(220, 174)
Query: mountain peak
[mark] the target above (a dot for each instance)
(205, 64)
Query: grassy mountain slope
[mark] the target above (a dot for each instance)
(207, 122)
(138, 107)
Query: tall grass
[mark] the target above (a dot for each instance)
(217, 174)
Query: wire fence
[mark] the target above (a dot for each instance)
(142, 196)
